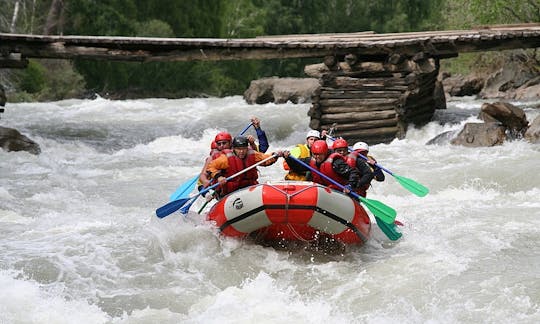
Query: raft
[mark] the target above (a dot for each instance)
(291, 211)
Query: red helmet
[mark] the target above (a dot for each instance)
(319, 147)
(340, 143)
(223, 136)
(213, 146)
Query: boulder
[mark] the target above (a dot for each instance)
(512, 117)
(480, 134)
(505, 82)
(281, 90)
(12, 140)
(533, 133)
(529, 91)
(459, 86)
(442, 138)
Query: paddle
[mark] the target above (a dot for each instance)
(389, 230)
(409, 184)
(185, 203)
(385, 213)
(187, 187)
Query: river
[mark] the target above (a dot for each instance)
(80, 242)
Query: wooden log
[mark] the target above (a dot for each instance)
(373, 115)
(357, 109)
(359, 102)
(327, 93)
(372, 140)
(366, 83)
(363, 124)
(370, 133)
(387, 81)
(367, 87)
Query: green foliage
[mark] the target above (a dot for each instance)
(236, 19)
(153, 28)
(63, 81)
(48, 80)
(33, 78)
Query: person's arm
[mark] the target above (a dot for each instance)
(366, 174)
(203, 176)
(295, 166)
(261, 156)
(261, 135)
(377, 172)
(217, 166)
(263, 140)
(343, 169)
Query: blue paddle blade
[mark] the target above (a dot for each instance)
(185, 209)
(171, 207)
(185, 189)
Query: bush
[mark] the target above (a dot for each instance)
(33, 78)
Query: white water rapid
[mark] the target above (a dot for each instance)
(80, 242)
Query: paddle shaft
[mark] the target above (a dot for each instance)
(245, 129)
(409, 184)
(188, 204)
(354, 194)
(365, 157)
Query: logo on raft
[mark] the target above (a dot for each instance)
(237, 203)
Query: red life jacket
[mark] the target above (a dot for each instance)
(236, 165)
(326, 169)
(215, 153)
(351, 159)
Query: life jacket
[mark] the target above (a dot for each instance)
(351, 158)
(236, 165)
(351, 161)
(326, 169)
(214, 154)
(291, 175)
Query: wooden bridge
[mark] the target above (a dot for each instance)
(372, 85)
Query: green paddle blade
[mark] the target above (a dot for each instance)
(412, 186)
(386, 213)
(388, 229)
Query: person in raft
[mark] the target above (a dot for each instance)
(341, 146)
(220, 145)
(301, 151)
(332, 165)
(361, 148)
(241, 157)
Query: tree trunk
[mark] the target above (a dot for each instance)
(54, 17)
(14, 18)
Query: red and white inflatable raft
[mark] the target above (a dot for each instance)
(291, 210)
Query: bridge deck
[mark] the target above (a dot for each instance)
(439, 44)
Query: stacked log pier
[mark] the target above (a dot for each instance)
(373, 102)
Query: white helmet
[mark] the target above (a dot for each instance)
(313, 133)
(360, 146)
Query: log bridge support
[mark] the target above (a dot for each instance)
(375, 101)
